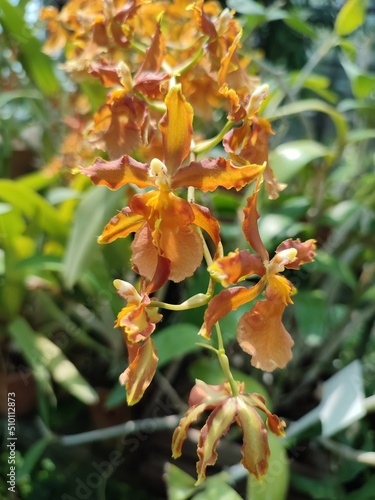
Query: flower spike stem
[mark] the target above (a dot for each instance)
(206, 146)
(198, 300)
(224, 362)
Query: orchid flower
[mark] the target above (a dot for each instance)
(167, 241)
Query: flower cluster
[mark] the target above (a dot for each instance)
(166, 66)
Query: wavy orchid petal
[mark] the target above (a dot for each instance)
(255, 450)
(121, 125)
(121, 225)
(115, 174)
(250, 226)
(210, 173)
(161, 275)
(208, 394)
(180, 432)
(305, 251)
(149, 77)
(136, 319)
(261, 334)
(275, 425)
(169, 233)
(162, 208)
(204, 220)
(225, 302)
(216, 426)
(144, 253)
(236, 266)
(177, 129)
(184, 248)
(143, 361)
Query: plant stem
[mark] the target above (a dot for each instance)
(198, 300)
(205, 146)
(344, 451)
(313, 61)
(224, 362)
(146, 425)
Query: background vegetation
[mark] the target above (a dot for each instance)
(57, 306)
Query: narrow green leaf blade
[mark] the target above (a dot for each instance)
(42, 354)
(37, 65)
(34, 207)
(31, 457)
(94, 211)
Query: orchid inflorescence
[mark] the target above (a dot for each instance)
(164, 63)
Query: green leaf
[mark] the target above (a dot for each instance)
(42, 354)
(316, 105)
(180, 485)
(38, 180)
(317, 489)
(350, 17)
(94, 211)
(34, 207)
(361, 134)
(290, 158)
(249, 7)
(11, 95)
(274, 485)
(37, 65)
(116, 397)
(95, 93)
(311, 310)
(299, 25)
(175, 341)
(364, 492)
(31, 457)
(362, 82)
(335, 267)
(217, 487)
(11, 224)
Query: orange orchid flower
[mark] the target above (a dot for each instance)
(165, 225)
(227, 409)
(260, 331)
(137, 321)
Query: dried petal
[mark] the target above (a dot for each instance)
(216, 426)
(180, 432)
(275, 425)
(207, 393)
(255, 450)
(137, 377)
